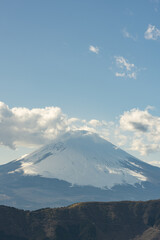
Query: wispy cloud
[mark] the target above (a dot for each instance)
(124, 64)
(155, 4)
(94, 49)
(117, 74)
(132, 75)
(126, 69)
(152, 33)
(126, 34)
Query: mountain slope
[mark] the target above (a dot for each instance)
(91, 221)
(78, 166)
(85, 159)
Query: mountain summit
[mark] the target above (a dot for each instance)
(83, 158)
(78, 166)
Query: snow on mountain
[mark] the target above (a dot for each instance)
(85, 159)
(77, 167)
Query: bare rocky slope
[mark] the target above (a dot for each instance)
(83, 221)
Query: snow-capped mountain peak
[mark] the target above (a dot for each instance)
(83, 158)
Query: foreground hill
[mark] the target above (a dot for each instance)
(83, 221)
(77, 167)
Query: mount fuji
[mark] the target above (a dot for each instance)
(76, 167)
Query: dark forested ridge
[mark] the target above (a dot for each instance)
(83, 221)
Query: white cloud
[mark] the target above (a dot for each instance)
(155, 163)
(142, 130)
(117, 74)
(132, 75)
(144, 148)
(152, 33)
(123, 63)
(128, 70)
(94, 49)
(136, 119)
(95, 123)
(22, 126)
(37, 126)
(126, 34)
(137, 130)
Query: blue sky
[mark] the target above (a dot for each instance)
(94, 60)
